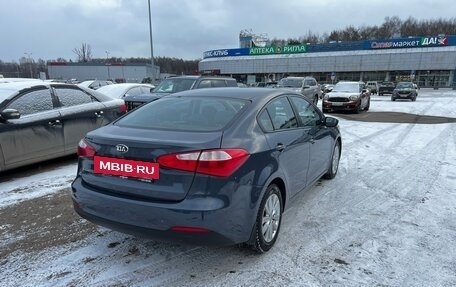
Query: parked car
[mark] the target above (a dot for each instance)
(326, 88)
(405, 90)
(307, 86)
(11, 80)
(95, 84)
(120, 91)
(386, 88)
(347, 96)
(42, 120)
(206, 166)
(372, 86)
(178, 84)
(271, 84)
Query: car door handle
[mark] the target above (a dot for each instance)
(280, 147)
(99, 114)
(54, 123)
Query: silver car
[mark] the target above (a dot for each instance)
(307, 86)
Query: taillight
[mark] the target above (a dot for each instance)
(123, 108)
(219, 162)
(85, 149)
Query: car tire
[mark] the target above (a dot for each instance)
(368, 105)
(334, 164)
(268, 220)
(358, 109)
(393, 99)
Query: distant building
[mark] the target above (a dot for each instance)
(119, 72)
(428, 61)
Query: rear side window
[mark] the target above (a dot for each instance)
(204, 84)
(231, 83)
(136, 91)
(72, 97)
(218, 83)
(281, 114)
(185, 114)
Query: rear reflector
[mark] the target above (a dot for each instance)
(218, 162)
(187, 229)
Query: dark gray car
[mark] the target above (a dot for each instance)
(40, 120)
(404, 91)
(206, 166)
(178, 84)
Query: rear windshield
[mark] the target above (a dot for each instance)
(185, 114)
(347, 87)
(174, 85)
(290, 83)
(404, 85)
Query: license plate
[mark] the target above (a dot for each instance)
(404, 96)
(337, 104)
(125, 167)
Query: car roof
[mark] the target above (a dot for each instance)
(201, 76)
(8, 90)
(252, 94)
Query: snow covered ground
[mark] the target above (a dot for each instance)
(387, 219)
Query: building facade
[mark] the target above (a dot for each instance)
(130, 73)
(429, 61)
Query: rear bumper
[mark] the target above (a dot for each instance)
(403, 96)
(220, 220)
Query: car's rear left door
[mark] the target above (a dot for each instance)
(321, 142)
(288, 142)
(80, 113)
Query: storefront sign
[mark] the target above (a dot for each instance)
(409, 43)
(291, 49)
(257, 51)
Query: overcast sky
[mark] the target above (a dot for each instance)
(50, 29)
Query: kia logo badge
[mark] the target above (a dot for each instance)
(121, 148)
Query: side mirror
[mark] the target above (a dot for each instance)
(10, 114)
(331, 122)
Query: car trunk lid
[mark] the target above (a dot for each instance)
(142, 147)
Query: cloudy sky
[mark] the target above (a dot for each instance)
(50, 29)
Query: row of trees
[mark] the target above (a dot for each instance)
(391, 27)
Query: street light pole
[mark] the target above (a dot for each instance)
(151, 44)
(29, 55)
(107, 64)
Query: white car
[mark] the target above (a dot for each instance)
(94, 84)
(119, 91)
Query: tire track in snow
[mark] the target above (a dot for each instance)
(396, 199)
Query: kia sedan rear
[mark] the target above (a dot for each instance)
(208, 166)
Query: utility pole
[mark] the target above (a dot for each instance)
(151, 45)
(29, 55)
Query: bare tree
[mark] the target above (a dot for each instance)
(84, 53)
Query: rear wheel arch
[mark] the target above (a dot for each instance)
(281, 184)
(2, 160)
